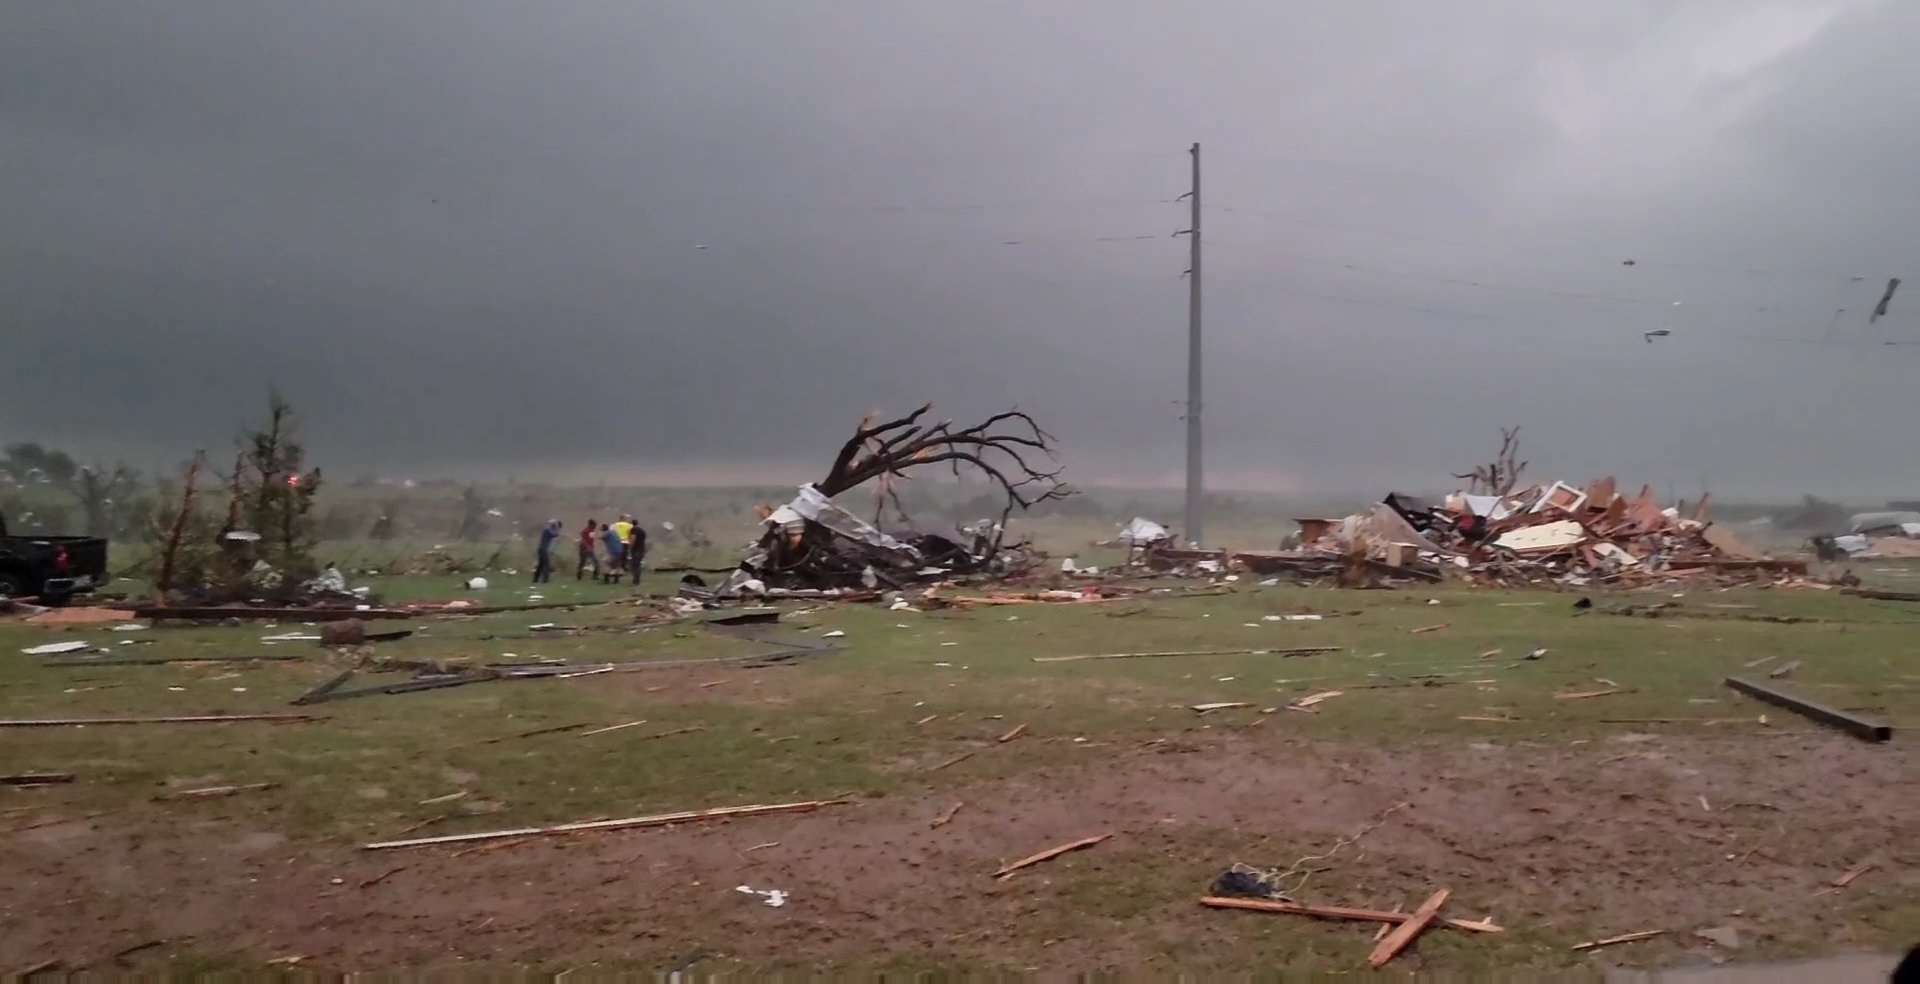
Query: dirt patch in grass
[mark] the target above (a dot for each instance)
(1561, 843)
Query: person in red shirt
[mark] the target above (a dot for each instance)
(588, 558)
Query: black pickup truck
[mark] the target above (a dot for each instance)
(51, 568)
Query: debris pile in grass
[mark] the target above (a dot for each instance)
(1556, 533)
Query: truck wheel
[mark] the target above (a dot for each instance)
(10, 586)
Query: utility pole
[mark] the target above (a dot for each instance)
(1196, 485)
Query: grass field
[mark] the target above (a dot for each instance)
(1667, 803)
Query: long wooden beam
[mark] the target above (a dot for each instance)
(1864, 729)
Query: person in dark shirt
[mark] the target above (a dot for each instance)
(543, 558)
(589, 558)
(636, 552)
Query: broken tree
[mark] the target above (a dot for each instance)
(814, 543)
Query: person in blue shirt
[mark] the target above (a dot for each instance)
(543, 559)
(616, 554)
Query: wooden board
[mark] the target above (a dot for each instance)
(1407, 931)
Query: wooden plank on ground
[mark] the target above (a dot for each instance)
(1407, 931)
(178, 719)
(1049, 854)
(1342, 912)
(1623, 938)
(1864, 729)
(658, 820)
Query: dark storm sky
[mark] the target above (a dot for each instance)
(462, 235)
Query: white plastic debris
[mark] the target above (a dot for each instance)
(476, 584)
(130, 627)
(900, 606)
(835, 634)
(1142, 532)
(56, 648)
(1067, 566)
(291, 637)
(771, 896)
(1270, 582)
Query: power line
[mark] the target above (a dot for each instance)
(1508, 288)
(1625, 257)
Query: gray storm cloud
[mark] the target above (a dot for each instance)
(464, 236)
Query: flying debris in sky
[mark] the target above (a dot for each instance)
(1626, 263)
(1880, 310)
(700, 247)
(1656, 333)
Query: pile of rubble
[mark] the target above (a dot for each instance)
(1556, 533)
(812, 547)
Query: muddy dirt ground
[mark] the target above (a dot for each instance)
(1558, 843)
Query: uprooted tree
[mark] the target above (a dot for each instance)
(1501, 475)
(815, 543)
(999, 447)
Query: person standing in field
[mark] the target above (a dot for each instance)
(636, 552)
(616, 554)
(543, 558)
(588, 558)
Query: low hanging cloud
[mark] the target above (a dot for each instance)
(688, 241)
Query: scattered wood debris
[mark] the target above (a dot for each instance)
(428, 822)
(1341, 912)
(627, 823)
(761, 847)
(212, 792)
(1847, 879)
(947, 817)
(1017, 731)
(448, 798)
(377, 879)
(956, 760)
(1219, 706)
(489, 846)
(1750, 664)
(1049, 854)
(1623, 938)
(1784, 669)
(25, 779)
(1584, 694)
(1424, 629)
(537, 731)
(612, 727)
(1307, 702)
(1296, 651)
(1494, 720)
(1406, 932)
(179, 719)
(926, 720)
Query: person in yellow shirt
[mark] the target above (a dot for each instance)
(623, 527)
